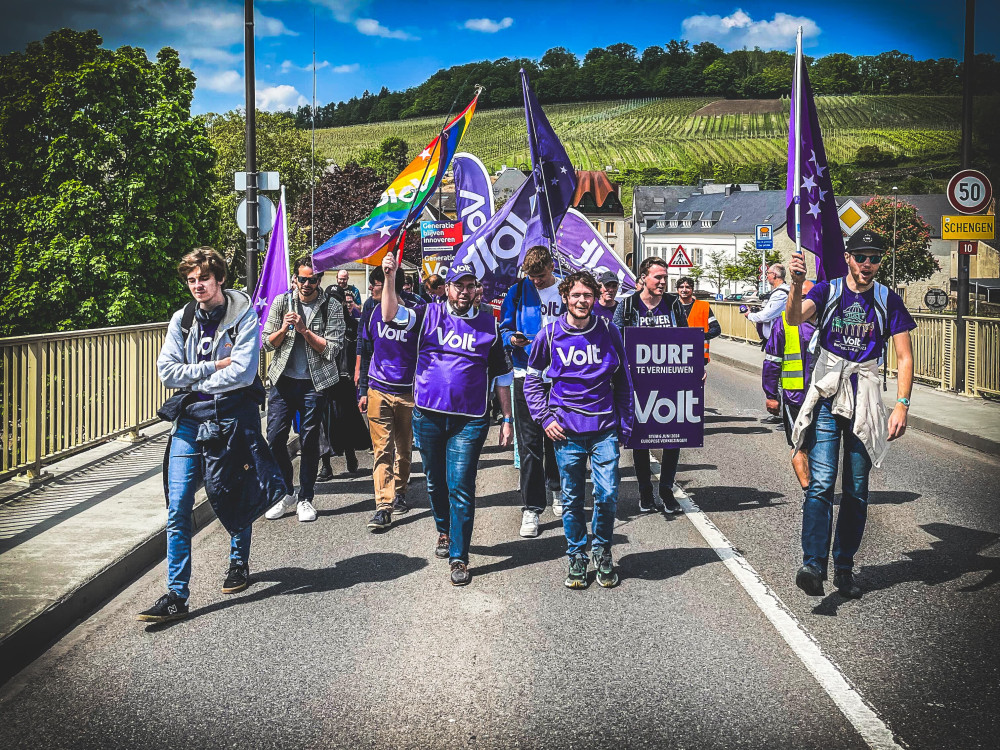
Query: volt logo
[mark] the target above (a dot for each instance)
(464, 341)
(473, 214)
(664, 410)
(390, 333)
(591, 355)
(658, 354)
(505, 244)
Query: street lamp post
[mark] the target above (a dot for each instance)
(895, 203)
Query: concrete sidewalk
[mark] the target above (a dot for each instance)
(972, 422)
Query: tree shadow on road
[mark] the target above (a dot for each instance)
(371, 567)
(957, 551)
(727, 418)
(755, 430)
(734, 498)
(890, 497)
(661, 564)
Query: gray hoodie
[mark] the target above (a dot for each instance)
(238, 337)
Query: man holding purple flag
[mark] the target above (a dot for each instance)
(586, 412)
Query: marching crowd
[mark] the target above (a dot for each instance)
(428, 369)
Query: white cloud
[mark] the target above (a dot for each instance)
(371, 27)
(215, 55)
(487, 25)
(223, 81)
(278, 98)
(739, 30)
(210, 23)
(288, 66)
(350, 68)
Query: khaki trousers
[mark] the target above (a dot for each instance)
(390, 422)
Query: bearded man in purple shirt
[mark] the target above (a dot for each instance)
(585, 413)
(459, 353)
(856, 317)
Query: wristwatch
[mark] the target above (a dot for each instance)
(904, 401)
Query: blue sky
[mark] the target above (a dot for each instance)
(367, 44)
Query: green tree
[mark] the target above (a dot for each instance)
(282, 148)
(105, 181)
(747, 265)
(914, 260)
(718, 269)
(389, 159)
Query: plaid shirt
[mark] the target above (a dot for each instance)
(322, 365)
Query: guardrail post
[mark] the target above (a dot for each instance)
(34, 418)
(133, 386)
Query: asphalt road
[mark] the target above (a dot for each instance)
(350, 639)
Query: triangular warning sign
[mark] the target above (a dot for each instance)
(680, 258)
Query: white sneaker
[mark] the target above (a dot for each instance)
(280, 508)
(677, 491)
(529, 523)
(306, 511)
(557, 504)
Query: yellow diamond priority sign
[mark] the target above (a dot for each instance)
(852, 217)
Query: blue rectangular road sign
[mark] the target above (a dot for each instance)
(762, 237)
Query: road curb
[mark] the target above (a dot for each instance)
(915, 422)
(25, 644)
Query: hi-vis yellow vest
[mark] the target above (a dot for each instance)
(792, 367)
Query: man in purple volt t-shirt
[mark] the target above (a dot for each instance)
(389, 358)
(585, 413)
(855, 318)
(459, 354)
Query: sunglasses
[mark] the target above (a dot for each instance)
(309, 279)
(860, 258)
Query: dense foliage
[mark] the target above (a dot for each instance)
(914, 260)
(675, 69)
(104, 183)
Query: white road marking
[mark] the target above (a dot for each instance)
(852, 704)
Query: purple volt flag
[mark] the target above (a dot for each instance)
(274, 276)
(667, 366)
(821, 233)
(494, 250)
(582, 248)
(553, 173)
(474, 204)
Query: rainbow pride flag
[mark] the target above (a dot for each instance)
(368, 241)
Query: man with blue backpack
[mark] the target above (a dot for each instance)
(855, 319)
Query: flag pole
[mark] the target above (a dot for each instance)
(553, 244)
(312, 155)
(284, 219)
(798, 142)
(401, 237)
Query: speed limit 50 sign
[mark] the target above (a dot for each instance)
(969, 191)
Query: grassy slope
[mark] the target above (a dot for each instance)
(666, 132)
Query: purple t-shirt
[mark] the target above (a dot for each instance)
(601, 311)
(394, 355)
(206, 338)
(853, 332)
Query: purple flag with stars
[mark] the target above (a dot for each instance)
(274, 277)
(821, 233)
(553, 173)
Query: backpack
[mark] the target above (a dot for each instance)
(881, 301)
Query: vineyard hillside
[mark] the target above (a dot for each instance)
(638, 133)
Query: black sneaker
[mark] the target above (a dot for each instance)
(326, 472)
(671, 507)
(443, 548)
(352, 461)
(646, 504)
(607, 576)
(843, 581)
(237, 579)
(810, 579)
(381, 520)
(460, 575)
(168, 607)
(577, 576)
(399, 506)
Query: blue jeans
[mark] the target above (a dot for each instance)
(571, 455)
(184, 476)
(822, 445)
(450, 446)
(288, 396)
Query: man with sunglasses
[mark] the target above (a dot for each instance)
(776, 301)
(855, 318)
(306, 333)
